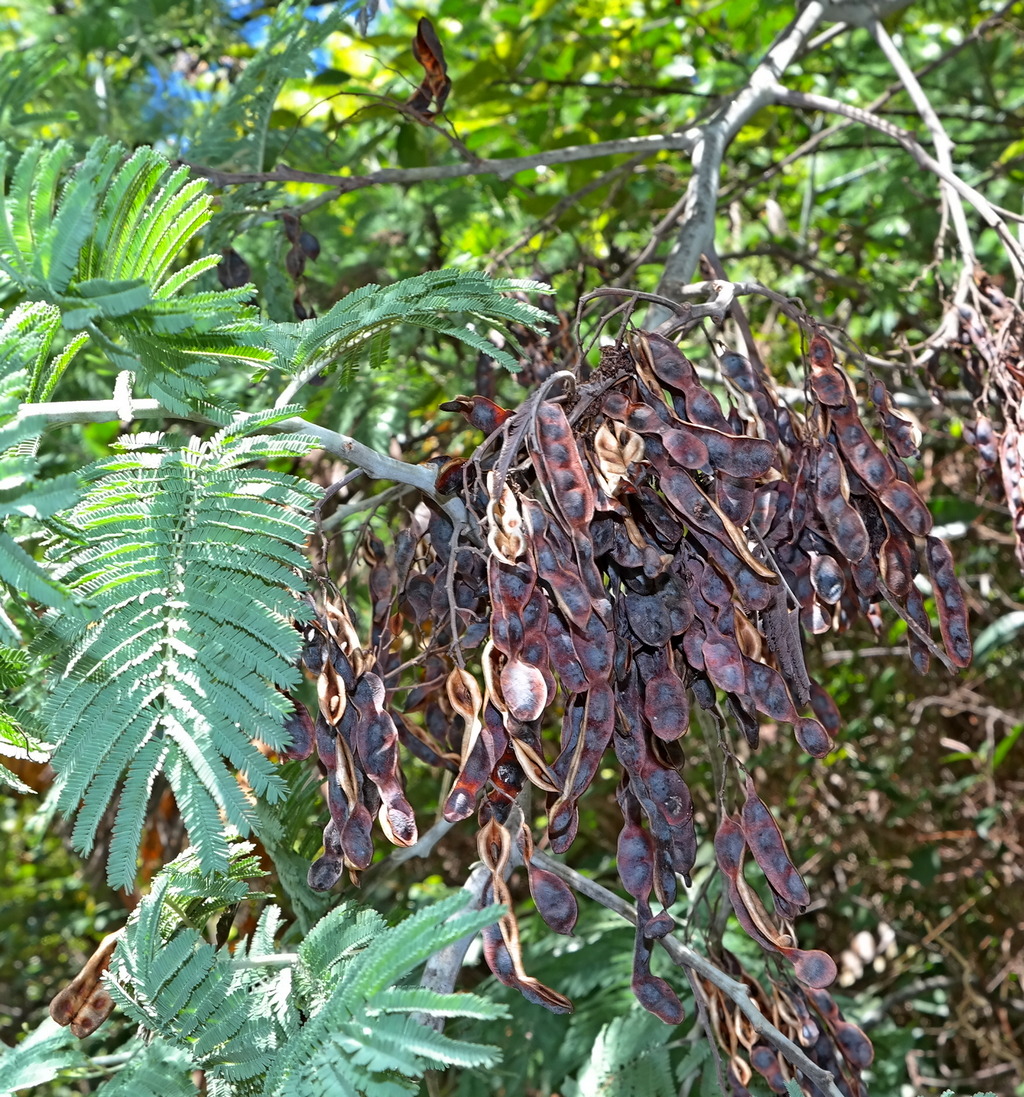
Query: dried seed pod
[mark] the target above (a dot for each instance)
(480, 412)
(906, 505)
(812, 737)
(295, 261)
(559, 458)
(233, 271)
(301, 731)
(901, 432)
(950, 602)
(309, 244)
(84, 1004)
(859, 449)
(828, 384)
(765, 1060)
(920, 656)
(766, 844)
(844, 524)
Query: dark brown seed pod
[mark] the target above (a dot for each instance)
(950, 601)
(768, 848)
(309, 244)
(295, 261)
(233, 271)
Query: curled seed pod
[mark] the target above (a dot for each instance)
(331, 694)
(949, 600)
(84, 1004)
(479, 412)
(597, 728)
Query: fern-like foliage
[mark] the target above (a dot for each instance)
(26, 336)
(628, 1059)
(38, 1059)
(235, 135)
(191, 564)
(98, 240)
(324, 1021)
(463, 305)
(24, 74)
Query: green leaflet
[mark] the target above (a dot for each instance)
(192, 567)
(96, 241)
(26, 336)
(39, 1058)
(271, 1024)
(356, 330)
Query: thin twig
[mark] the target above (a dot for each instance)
(378, 466)
(1015, 252)
(502, 168)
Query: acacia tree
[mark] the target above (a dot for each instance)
(646, 541)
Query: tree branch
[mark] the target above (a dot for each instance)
(980, 203)
(685, 957)
(696, 233)
(940, 139)
(378, 466)
(503, 169)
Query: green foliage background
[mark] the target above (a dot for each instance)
(914, 823)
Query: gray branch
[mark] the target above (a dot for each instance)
(503, 169)
(378, 466)
(697, 229)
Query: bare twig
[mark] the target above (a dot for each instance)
(685, 957)
(503, 169)
(1015, 252)
(940, 139)
(442, 969)
(378, 466)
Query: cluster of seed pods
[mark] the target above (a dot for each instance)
(629, 549)
(991, 348)
(807, 1016)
